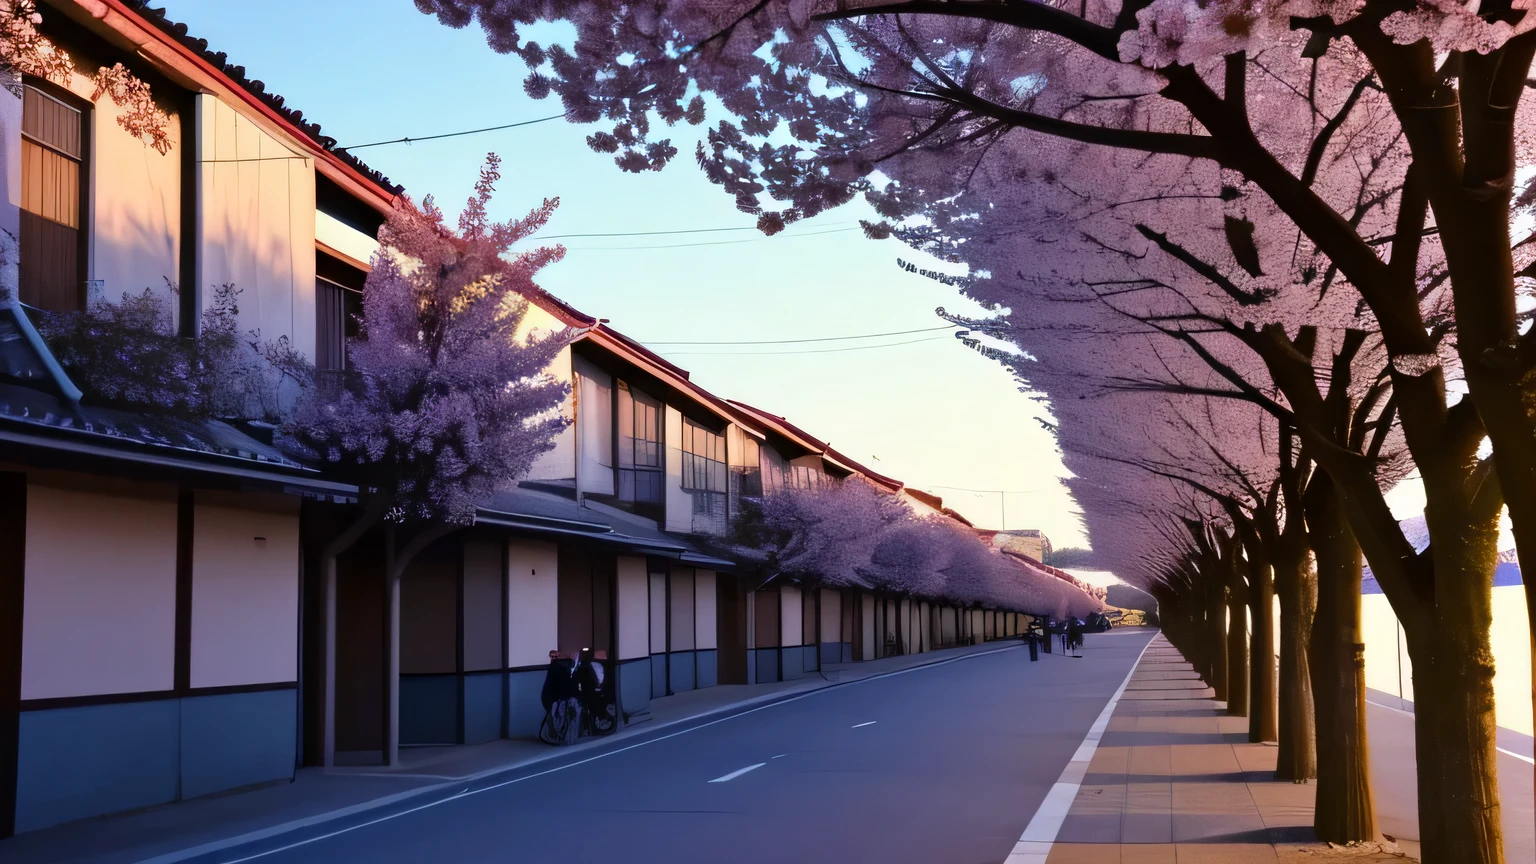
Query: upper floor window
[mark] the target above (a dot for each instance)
(704, 476)
(639, 465)
(750, 472)
(52, 271)
(338, 310)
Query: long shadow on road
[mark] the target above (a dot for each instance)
(939, 763)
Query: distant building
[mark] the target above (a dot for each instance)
(1029, 541)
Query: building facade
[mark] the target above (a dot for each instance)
(169, 624)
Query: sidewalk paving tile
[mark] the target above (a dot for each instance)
(1176, 781)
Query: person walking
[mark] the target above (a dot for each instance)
(1075, 635)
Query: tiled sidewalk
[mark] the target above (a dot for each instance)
(1174, 779)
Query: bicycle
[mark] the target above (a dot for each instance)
(575, 703)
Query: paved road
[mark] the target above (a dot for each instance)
(944, 763)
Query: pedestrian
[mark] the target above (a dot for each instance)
(1075, 634)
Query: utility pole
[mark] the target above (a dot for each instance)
(1002, 501)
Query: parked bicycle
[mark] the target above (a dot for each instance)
(576, 702)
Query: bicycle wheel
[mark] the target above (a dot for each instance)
(603, 722)
(562, 724)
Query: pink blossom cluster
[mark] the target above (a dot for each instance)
(850, 534)
(442, 404)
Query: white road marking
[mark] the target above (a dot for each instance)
(870, 723)
(1521, 756)
(298, 824)
(737, 773)
(1035, 843)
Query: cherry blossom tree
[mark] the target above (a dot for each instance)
(912, 102)
(24, 50)
(443, 402)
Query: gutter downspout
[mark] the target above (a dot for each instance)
(67, 388)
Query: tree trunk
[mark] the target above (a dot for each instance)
(1344, 811)
(1262, 697)
(1516, 464)
(1454, 726)
(1297, 588)
(1216, 627)
(1237, 642)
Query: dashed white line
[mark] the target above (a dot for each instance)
(299, 824)
(737, 773)
(870, 723)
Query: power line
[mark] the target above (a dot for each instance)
(452, 134)
(990, 491)
(820, 339)
(655, 233)
(708, 242)
(783, 353)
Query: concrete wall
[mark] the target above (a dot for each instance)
(1389, 669)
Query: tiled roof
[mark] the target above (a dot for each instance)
(236, 74)
(31, 405)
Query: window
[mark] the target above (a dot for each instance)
(639, 462)
(704, 476)
(52, 156)
(746, 477)
(750, 470)
(337, 311)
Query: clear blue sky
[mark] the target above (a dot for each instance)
(932, 412)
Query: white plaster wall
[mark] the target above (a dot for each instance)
(792, 620)
(344, 238)
(559, 463)
(245, 591)
(533, 602)
(919, 507)
(831, 615)
(135, 204)
(634, 608)
(594, 427)
(705, 630)
(10, 174)
(100, 591)
(682, 609)
(257, 223)
(679, 504)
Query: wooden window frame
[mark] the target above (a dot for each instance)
(83, 212)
